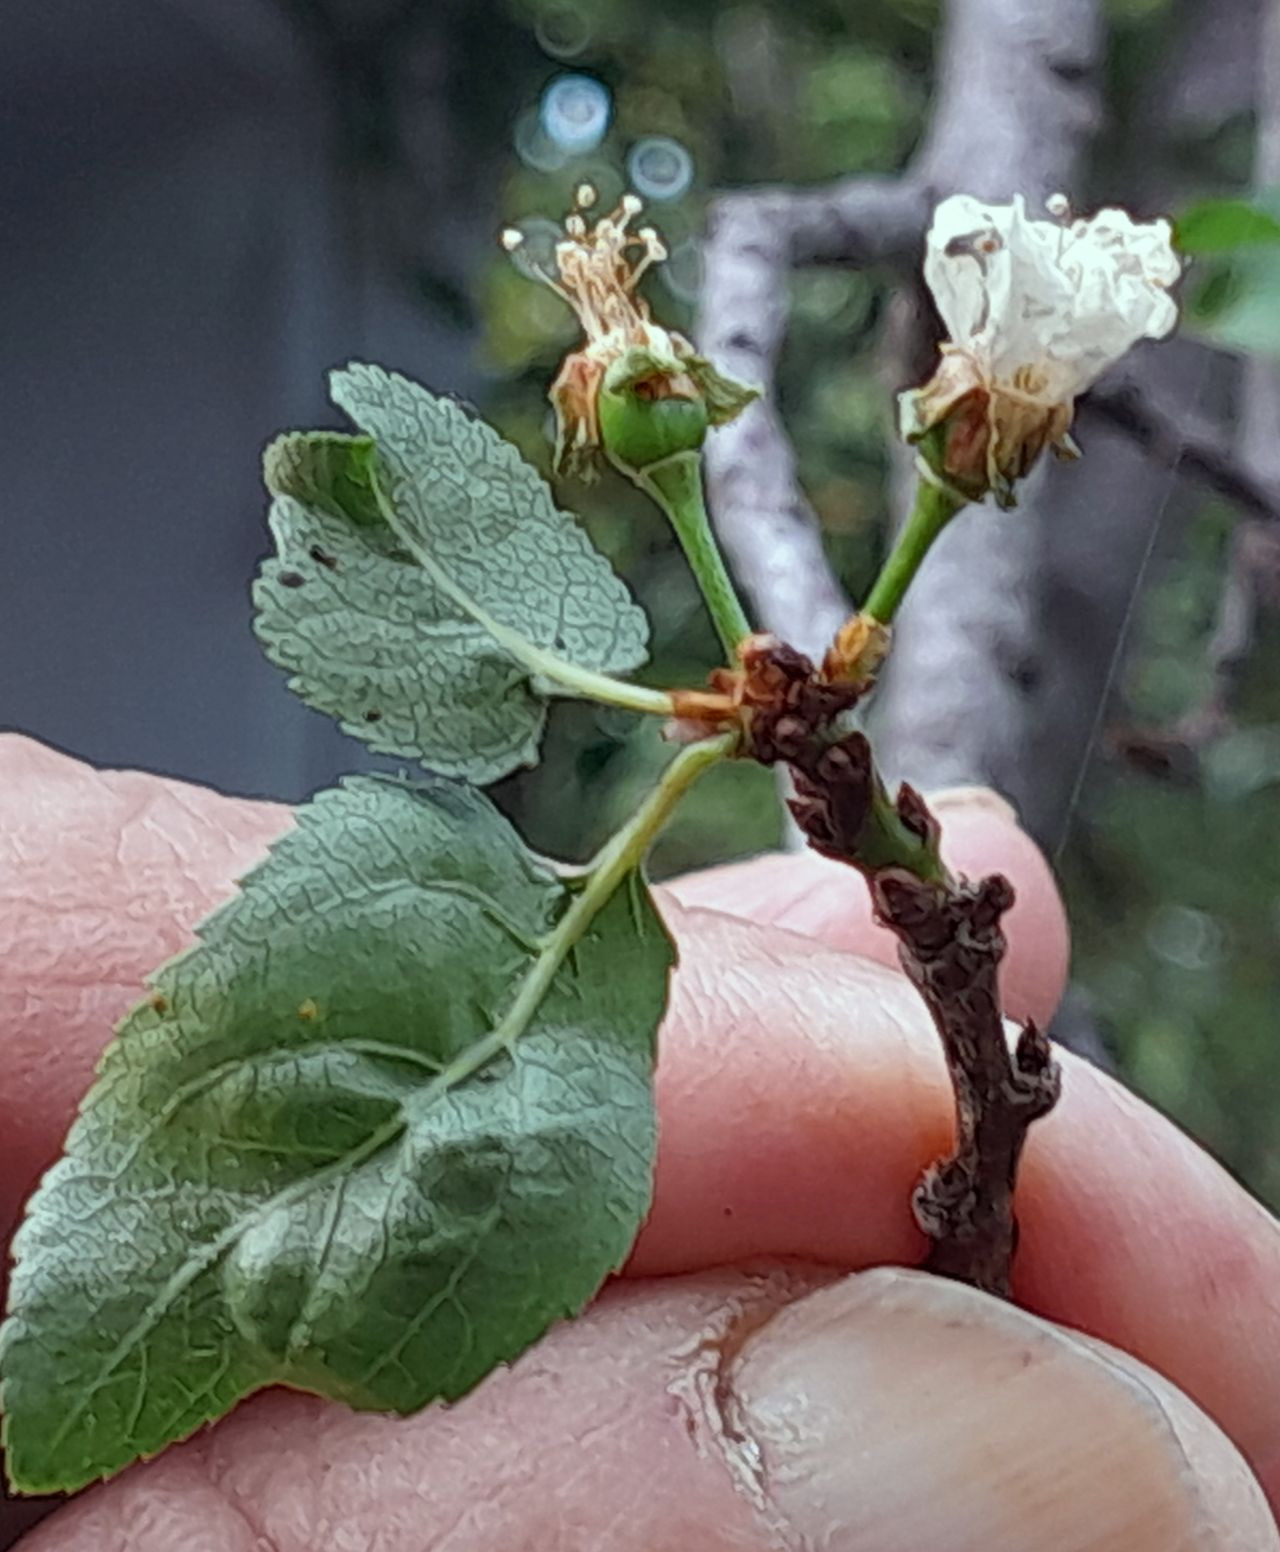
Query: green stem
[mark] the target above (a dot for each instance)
(885, 842)
(618, 858)
(933, 510)
(675, 484)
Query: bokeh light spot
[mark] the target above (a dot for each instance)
(575, 112)
(563, 31)
(534, 146)
(660, 168)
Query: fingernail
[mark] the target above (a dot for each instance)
(948, 800)
(893, 1411)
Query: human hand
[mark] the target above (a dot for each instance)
(733, 1390)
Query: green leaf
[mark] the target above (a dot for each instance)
(370, 640)
(375, 1132)
(1233, 293)
(328, 470)
(1223, 225)
(1236, 304)
(429, 594)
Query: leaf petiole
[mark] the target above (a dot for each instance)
(570, 679)
(613, 864)
(567, 677)
(621, 854)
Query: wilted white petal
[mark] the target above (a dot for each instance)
(965, 234)
(1045, 308)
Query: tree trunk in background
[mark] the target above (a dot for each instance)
(1009, 639)
(1016, 106)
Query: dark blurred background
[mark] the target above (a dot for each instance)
(209, 202)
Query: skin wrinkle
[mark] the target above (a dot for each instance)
(184, 1510)
(262, 1542)
(717, 1423)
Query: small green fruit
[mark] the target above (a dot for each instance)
(649, 411)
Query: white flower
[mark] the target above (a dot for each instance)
(1036, 312)
(1045, 307)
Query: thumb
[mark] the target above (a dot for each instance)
(733, 1412)
(893, 1411)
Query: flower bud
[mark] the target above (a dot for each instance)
(649, 410)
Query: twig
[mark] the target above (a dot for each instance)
(950, 946)
(770, 533)
(1189, 444)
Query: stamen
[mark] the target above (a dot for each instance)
(654, 253)
(1058, 206)
(598, 265)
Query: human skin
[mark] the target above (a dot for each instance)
(800, 1091)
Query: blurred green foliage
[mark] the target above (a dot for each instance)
(1173, 884)
(1234, 297)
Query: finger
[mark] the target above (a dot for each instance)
(801, 1091)
(826, 900)
(103, 874)
(881, 1413)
